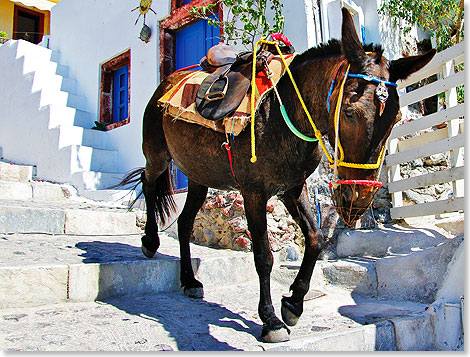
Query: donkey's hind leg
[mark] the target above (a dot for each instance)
(298, 205)
(194, 201)
(156, 187)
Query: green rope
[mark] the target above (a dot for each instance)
(293, 128)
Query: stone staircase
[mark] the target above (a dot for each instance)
(73, 278)
(45, 122)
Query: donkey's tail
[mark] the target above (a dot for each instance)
(161, 194)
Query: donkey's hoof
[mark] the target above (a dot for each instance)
(273, 336)
(195, 293)
(288, 316)
(147, 253)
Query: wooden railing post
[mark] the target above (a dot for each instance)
(394, 173)
(453, 129)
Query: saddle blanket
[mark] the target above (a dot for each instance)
(179, 101)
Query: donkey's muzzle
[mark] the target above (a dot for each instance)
(352, 198)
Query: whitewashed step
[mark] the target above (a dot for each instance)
(116, 196)
(85, 158)
(69, 85)
(92, 180)
(54, 82)
(389, 239)
(415, 276)
(67, 116)
(61, 98)
(62, 70)
(75, 135)
(42, 64)
(85, 268)
(41, 53)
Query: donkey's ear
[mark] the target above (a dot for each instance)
(350, 44)
(403, 67)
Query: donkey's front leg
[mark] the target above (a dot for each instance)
(298, 205)
(274, 330)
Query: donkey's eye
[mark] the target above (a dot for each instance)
(349, 114)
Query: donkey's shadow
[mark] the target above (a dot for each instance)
(190, 322)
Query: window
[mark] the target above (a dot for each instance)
(28, 25)
(115, 91)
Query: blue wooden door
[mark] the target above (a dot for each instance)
(121, 94)
(192, 44)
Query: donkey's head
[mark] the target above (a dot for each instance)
(369, 109)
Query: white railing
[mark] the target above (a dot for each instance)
(449, 139)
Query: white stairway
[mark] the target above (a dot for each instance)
(43, 122)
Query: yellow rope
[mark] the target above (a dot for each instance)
(252, 103)
(318, 134)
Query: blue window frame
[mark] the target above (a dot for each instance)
(121, 94)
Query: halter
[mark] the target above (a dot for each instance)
(382, 95)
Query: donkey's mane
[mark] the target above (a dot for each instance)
(330, 49)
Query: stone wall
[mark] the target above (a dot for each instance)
(221, 223)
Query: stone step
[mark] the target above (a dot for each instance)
(391, 239)
(226, 319)
(38, 270)
(415, 276)
(70, 217)
(15, 172)
(35, 191)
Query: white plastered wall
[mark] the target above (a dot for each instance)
(88, 33)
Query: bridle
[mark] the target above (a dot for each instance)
(382, 95)
(337, 160)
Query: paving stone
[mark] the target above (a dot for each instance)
(225, 319)
(28, 286)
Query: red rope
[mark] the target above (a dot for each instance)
(229, 154)
(186, 68)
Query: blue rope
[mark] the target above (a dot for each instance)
(371, 79)
(329, 94)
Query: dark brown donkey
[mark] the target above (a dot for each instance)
(284, 161)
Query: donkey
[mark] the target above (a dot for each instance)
(284, 160)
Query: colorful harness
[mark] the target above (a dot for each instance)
(382, 95)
